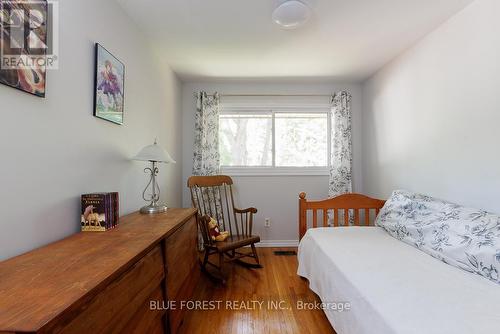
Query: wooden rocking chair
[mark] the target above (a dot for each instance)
(213, 197)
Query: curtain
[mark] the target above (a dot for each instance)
(206, 135)
(341, 153)
(206, 156)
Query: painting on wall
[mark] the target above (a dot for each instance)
(109, 86)
(23, 56)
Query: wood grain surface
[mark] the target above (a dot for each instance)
(276, 282)
(49, 285)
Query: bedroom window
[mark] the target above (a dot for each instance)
(274, 142)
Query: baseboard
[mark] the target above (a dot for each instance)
(278, 243)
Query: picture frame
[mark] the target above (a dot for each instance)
(109, 86)
(29, 74)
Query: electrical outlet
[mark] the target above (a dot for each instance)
(267, 222)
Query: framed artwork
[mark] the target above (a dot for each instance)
(23, 56)
(109, 86)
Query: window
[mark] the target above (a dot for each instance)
(246, 139)
(301, 139)
(282, 141)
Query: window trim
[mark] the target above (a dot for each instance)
(274, 170)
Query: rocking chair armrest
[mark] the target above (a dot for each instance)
(248, 210)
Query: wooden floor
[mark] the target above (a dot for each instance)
(276, 283)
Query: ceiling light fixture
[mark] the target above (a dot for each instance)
(291, 14)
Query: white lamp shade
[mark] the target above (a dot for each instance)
(291, 14)
(154, 153)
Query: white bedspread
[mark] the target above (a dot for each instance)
(393, 287)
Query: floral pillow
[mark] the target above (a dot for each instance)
(463, 237)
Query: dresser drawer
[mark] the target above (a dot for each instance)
(146, 320)
(182, 268)
(181, 256)
(111, 309)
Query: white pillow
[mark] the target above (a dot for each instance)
(463, 237)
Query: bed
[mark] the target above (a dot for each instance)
(390, 286)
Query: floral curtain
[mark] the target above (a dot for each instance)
(206, 156)
(206, 135)
(341, 155)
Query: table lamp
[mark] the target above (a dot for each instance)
(154, 154)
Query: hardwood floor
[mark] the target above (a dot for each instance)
(266, 300)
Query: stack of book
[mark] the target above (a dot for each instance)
(100, 211)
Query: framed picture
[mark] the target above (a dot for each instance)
(23, 56)
(109, 86)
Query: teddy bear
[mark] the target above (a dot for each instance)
(215, 233)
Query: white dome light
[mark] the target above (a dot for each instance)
(291, 14)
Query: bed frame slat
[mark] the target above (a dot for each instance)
(336, 218)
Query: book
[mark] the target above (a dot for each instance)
(100, 211)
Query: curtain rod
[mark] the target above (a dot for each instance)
(258, 95)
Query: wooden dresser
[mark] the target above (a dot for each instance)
(104, 282)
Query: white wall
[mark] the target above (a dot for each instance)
(275, 197)
(53, 149)
(431, 117)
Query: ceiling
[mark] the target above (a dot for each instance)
(236, 39)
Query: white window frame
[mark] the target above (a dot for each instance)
(273, 170)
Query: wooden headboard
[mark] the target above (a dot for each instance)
(349, 206)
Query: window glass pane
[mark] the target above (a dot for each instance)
(246, 139)
(301, 139)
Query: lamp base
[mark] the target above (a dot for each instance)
(153, 208)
